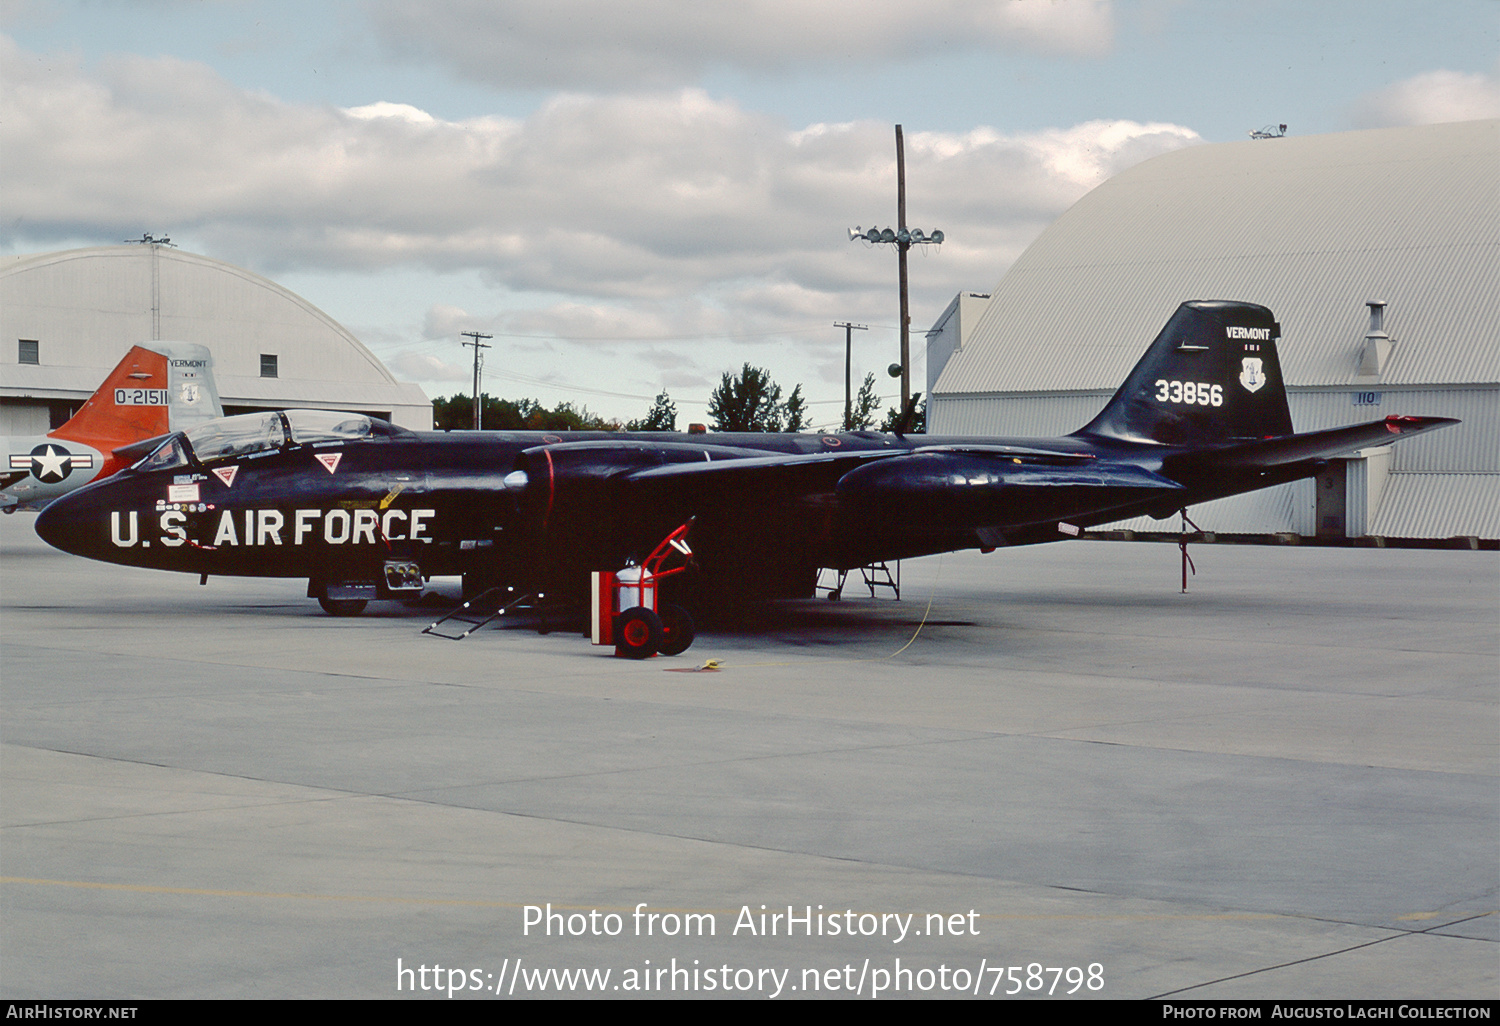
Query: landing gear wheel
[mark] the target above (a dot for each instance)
(677, 629)
(638, 633)
(342, 607)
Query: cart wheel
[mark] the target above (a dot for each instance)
(638, 633)
(677, 629)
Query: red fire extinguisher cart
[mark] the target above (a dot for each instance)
(626, 608)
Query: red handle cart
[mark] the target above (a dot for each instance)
(626, 608)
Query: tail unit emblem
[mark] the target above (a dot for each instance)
(1252, 374)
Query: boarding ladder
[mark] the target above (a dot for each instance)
(476, 612)
(875, 575)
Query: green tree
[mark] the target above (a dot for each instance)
(567, 417)
(456, 413)
(918, 423)
(749, 402)
(794, 411)
(865, 407)
(663, 416)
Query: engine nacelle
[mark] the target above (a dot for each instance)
(567, 495)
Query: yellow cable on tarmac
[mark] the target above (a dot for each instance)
(714, 665)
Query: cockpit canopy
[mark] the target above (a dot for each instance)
(237, 436)
(250, 433)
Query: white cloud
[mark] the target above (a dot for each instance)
(383, 109)
(647, 215)
(574, 44)
(425, 367)
(1431, 98)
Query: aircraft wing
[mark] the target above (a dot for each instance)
(820, 465)
(1023, 453)
(817, 465)
(869, 505)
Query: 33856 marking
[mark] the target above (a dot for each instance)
(1189, 393)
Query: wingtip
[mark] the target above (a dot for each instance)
(1398, 424)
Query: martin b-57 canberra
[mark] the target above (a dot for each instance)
(363, 509)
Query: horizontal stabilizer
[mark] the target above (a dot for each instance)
(1272, 452)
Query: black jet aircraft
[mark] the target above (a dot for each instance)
(363, 509)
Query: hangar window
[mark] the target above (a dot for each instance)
(268, 365)
(59, 412)
(30, 351)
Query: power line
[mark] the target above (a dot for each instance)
(727, 335)
(718, 336)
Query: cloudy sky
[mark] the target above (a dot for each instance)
(633, 195)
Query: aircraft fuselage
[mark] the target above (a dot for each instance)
(367, 510)
(333, 511)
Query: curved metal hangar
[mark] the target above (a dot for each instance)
(1317, 229)
(66, 318)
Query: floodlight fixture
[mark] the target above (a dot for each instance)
(903, 237)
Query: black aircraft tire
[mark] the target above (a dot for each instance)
(343, 607)
(638, 633)
(677, 630)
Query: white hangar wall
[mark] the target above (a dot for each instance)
(85, 308)
(1314, 228)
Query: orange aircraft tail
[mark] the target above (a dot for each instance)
(169, 387)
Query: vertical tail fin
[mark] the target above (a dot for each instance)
(1211, 376)
(158, 387)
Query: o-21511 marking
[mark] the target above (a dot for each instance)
(141, 397)
(1189, 393)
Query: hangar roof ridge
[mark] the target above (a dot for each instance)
(21, 263)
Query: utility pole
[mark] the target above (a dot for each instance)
(903, 241)
(478, 345)
(849, 330)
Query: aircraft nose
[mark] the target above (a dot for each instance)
(62, 524)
